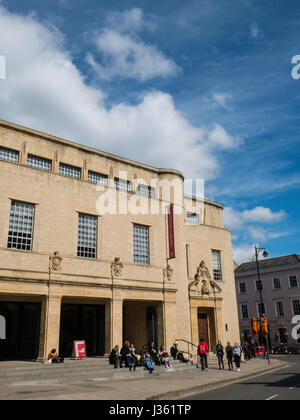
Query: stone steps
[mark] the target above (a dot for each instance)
(97, 370)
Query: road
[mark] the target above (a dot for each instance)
(280, 385)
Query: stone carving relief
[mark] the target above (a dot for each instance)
(55, 262)
(202, 285)
(168, 273)
(116, 268)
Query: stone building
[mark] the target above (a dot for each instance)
(280, 289)
(85, 243)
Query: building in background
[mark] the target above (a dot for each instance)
(69, 270)
(280, 284)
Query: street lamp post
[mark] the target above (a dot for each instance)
(261, 314)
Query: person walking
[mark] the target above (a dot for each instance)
(229, 355)
(237, 353)
(203, 351)
(220, 354)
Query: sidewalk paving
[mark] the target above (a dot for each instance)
(151, 387)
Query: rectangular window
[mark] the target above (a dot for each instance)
(123, 185)
(87, 236)
(244, 311)
(192, 218)
(97, 178)
(217, 269)
(141, 244)
(283, 335)
(21, 222)
(9, 154)
(146, 191)
(279, 309)
(39, 163)
(259, 285)
(261, 309)
(296, 306)
(71, 171)
(242, 287)
(276, 284)
(293, 282)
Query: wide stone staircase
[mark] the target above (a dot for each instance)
(98, 369)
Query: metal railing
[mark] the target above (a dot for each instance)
(190, 345)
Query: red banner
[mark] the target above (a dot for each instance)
(80, 349)
(171, 234)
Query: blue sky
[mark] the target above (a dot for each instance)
(200, 85)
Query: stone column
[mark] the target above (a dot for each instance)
(51, 311)
(170, 317)
(116, 322)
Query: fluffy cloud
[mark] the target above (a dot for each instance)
(126, 57)
(236, 220)
(243, 253)
(46, 91)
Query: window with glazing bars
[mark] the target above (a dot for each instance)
(123, 185)
(146, 191)
(245, 312)
(296, 306)
(259, 285)
(243, 288)
(8, 154)
(71, 171)
(217, 269)
(192, 218)
(39, 163)
(21, 222)
(141, 244)
(279, 308)
(87, 236)
(276, 283)
(97, 178)
(261, 309)
(293, 281)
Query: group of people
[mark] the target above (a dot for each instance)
(233, 353)
(148, 357)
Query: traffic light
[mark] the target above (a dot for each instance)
(264, 326)
(255, 327)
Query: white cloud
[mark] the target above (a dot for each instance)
(131, 20)
(46, 91)
(243, 253)
(236, 220)
(127, 57)
(263, 215)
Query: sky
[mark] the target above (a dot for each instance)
(202, 86)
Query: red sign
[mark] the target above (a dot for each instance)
(80, 349)
(171, 234)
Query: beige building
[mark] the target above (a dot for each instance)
(84, 248)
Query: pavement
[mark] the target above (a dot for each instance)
(166, 386)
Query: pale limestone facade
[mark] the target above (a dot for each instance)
(142, 302)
